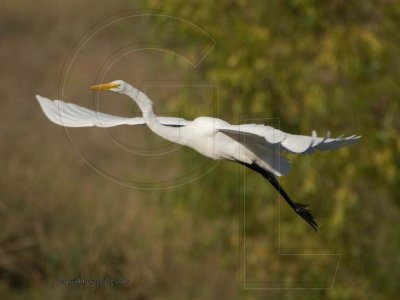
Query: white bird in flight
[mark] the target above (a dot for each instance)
(255, 146)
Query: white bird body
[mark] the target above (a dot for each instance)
(202, 135)
(205, 135)
(256, 146)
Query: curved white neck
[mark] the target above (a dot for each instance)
(146, 106)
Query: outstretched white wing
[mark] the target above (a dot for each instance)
(72, 115)
(253, 135)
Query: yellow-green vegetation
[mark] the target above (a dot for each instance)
(299, 65)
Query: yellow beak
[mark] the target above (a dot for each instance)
(104, 86)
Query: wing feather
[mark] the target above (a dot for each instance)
(72, 115)
(269, 136)
(268, 143)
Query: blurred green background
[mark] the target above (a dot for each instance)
(299, 64)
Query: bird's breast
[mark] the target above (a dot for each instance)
(202, 135)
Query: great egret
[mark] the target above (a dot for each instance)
(255, 146)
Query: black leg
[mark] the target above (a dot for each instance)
(300, 209)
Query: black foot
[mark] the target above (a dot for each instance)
(305, 213)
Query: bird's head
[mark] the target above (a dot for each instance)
(117, 86)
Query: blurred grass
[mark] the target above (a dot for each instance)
(324, 65)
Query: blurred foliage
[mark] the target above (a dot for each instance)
(324, 65)
(329, 65)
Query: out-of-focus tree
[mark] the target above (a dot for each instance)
(328, 65)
